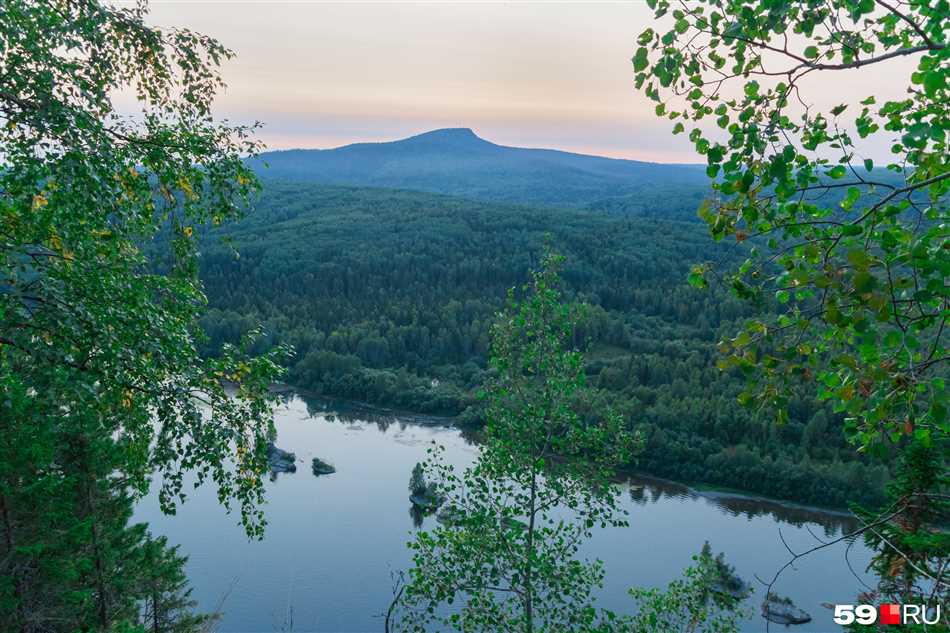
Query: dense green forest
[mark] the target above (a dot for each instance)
(388, 296)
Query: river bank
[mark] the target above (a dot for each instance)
(738, 501)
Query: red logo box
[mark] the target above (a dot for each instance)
(889, 614)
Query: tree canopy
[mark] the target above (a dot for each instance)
(103, 384)
(389, 297)
(862, 274)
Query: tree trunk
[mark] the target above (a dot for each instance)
(101, 590)
(18, 582)
(528, 589)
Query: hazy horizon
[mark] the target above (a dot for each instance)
(695, 161)
(551, 75)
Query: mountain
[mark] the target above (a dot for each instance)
(456, 161)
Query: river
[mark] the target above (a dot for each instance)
(334, 542)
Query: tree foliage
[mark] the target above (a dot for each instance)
(910, 538)
(853, 253)
(99, 366)
(694, 602)
(858, 277)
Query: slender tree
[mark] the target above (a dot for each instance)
(166, 598)
(507, 549)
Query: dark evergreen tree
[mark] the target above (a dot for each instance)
(166, 597)
(910, 538)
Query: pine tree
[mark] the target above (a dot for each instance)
(167, 603)
(417, 481)
(909, 536)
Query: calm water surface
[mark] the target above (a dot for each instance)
(333, 542)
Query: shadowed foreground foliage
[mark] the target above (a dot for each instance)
(860, 278)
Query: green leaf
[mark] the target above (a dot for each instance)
(836, 172)
(858, 258)
(934, 81)
(697, 277)
(640, 59)
(864, 281)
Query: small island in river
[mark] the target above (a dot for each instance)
(320, 467)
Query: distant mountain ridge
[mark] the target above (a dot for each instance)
(456, 161)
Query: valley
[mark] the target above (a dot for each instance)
(388, 295)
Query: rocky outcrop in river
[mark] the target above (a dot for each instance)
(280, 461)
(320, 467)
(783, 611)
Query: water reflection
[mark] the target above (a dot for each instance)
(348, 412)
(642, 489)
(334, 541)
(417, 515)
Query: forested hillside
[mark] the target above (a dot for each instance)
(457, 162)
(388, 297)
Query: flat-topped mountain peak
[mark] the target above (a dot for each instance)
(456, 161)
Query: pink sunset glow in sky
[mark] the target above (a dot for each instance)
(535, 74)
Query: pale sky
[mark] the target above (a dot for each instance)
(534, 74)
